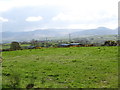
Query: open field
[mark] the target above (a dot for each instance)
(74, 67)
(6, 46)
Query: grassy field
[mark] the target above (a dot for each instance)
(6, 46)
(75, 67)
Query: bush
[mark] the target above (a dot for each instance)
(15, 46)
(110, 43)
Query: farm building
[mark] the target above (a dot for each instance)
(64, 45)
(75, 44)
(33, 47)
(70, 45)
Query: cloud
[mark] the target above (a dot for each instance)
(66, 4)
(91, 26)
(6, 5)
(65, 17)
(60, 16)
(32, 19)
(84, 20)
(82, 26)
(3, 19)
(59, 13)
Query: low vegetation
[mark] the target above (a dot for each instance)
(74, 67)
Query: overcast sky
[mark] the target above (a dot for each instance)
(26, 15)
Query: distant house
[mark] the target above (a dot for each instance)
(33, 47)
(75, 44)
(71, 45)
(64, 45)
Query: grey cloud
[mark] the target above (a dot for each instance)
(17, 17)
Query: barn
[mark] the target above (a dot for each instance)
(71, 45)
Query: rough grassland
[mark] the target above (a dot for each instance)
(76, 67)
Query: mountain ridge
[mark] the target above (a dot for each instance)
(53, 33)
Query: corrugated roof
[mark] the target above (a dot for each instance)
(74, 43)
(64, 44)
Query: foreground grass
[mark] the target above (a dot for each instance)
(77, 67)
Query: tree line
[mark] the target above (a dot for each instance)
(34, 44)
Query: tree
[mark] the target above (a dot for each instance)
(15, 46)
(118, 42)
(110, 43)
(34, 43)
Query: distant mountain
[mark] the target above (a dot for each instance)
(98, 31)
(54, 33)
(24, 36)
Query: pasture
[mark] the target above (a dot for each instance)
(74, 67)
(7, 46)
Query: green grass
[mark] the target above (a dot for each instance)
(7, 46)
(25, 45)
(76, 67)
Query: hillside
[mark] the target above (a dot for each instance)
(55, 33)
(97, 31)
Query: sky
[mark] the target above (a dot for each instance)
(28, 15)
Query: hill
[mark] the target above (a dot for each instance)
(55, 33)
(97, 31)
